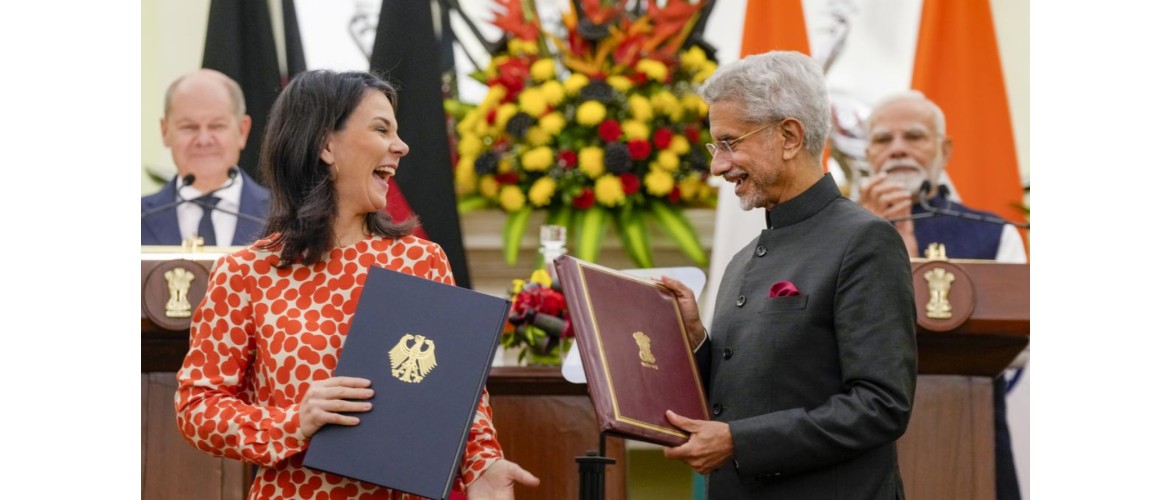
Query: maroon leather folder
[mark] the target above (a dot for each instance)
(634, 349)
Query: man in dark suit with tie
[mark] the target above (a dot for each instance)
(205, 127)
(811, 361)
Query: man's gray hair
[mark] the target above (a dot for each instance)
(234, 92)
(773, 86)
(940, 120)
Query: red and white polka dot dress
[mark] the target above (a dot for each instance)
(262, 334)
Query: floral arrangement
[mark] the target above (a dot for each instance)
(600, 125)
(538, 323)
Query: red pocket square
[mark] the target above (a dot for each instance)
(783, 289)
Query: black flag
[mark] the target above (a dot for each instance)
(407, 53)
(240, 44)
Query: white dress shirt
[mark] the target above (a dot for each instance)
(224, 223)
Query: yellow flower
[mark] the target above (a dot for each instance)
(537, 159)
(667, 160)
(552, 123)
(619, 82)
(540, 276)
(469, 122)
(538, 136)
(542, 70)
(664, 102)
(679, 145)
(704, 73)
(591, 160)
(511, 198)
(640, 108)
(494, 94)
(659, 182)
(693, 59)
(654, 70)
(488, 186)
(575, 83)
(507, 164)
(532, 101)
(692, 102)
(470, 146)
(608, 190)
(541, 192)
(553, 92)
(635, 130)
(690, 187)
(465, 175)
(503, 114)
(518, 47)
(590, 113)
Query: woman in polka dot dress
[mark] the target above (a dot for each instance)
(257, 382)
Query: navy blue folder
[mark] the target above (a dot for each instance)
(426, 348)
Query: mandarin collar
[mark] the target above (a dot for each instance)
(804, 205)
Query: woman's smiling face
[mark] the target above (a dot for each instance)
(364, 154)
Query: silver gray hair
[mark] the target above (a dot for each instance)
(773, 86)
(234, 92)
(940, 120)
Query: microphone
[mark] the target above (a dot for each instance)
(944, 192)
(188, 180)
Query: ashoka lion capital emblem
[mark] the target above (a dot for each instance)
(412, 358)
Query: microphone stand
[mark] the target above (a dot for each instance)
(932, 211)
(241, 215)
(591, 470)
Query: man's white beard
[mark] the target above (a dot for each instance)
(909, 174)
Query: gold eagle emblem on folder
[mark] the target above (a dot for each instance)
(412, 358)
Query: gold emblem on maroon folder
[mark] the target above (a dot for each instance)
(644, 353)
(412, 358)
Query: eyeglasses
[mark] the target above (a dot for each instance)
(726, 146)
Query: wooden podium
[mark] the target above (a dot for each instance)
(948, 450)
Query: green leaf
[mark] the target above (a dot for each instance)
(514, 228)
(472, 202)
(680, 229)
(631, 226)
(592, 230)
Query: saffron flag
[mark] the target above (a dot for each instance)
(773, 25)
(957, 66)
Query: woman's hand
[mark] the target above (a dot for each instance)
(689, 308)
(496, 482)
(325, 399)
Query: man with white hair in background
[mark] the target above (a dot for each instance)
(908, 146)
(908, 149)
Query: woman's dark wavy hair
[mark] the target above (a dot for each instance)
(304, 201)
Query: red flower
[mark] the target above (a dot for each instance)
(508, 178)
(569, 158)
(675, 194)
(692, 133)
(512, 74)
(609, 130)
(491, 117)
(662, 138)
(584, 200)
(639, 149)
(630, 182)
